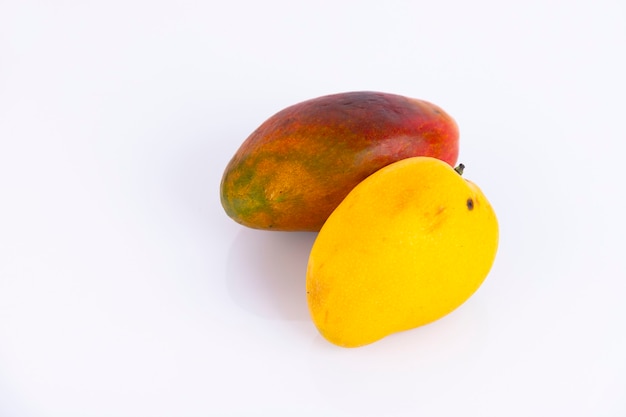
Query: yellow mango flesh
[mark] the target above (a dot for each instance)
(407, 246)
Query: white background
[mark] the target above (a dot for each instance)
(126, 291)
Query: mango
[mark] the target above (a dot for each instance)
(298, 165)
(407, 246)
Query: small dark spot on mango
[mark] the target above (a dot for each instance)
(470, 204)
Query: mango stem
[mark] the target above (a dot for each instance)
(460, 169)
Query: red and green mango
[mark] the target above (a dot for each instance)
(296, 168)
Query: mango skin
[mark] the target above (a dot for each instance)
(407, 246)
(295, 169)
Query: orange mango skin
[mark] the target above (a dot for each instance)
(296, 168)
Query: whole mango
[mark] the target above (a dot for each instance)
(296, 168)
(407, 246)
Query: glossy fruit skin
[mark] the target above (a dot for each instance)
(407, 246)
(295, 168)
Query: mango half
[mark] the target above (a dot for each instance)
(295, 169)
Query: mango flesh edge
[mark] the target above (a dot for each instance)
(296, 168)
(407, 246)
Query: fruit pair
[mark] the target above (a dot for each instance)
(403, 238)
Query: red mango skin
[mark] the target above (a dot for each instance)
(296, 168)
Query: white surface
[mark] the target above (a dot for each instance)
(126, 291)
